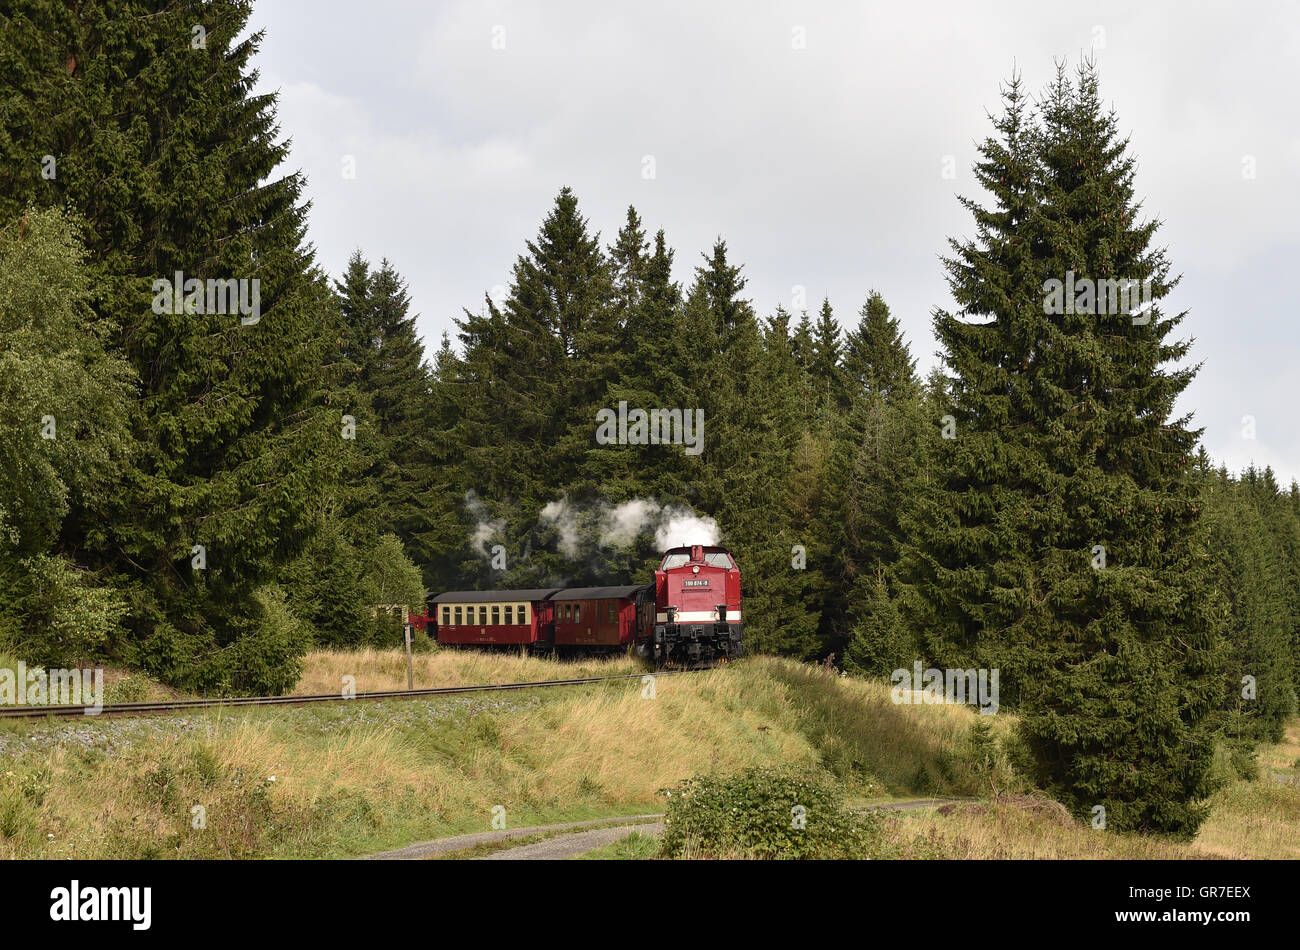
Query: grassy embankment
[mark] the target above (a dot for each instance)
(351, 779)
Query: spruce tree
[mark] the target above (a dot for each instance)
(876, 358)
(1059, 544)
(1249, 574)
(160, 146)
(825, 370)
(873, 468)
(534, 372)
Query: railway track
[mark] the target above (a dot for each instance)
(184, 705)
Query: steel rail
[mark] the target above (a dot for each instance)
(181, 705)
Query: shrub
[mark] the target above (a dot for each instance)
(756, 814)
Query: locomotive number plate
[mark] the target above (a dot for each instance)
(698, 583)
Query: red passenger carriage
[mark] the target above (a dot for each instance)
(495, 617)
(603, 616)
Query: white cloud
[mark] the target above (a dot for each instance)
(820, 167)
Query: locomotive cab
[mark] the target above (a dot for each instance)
(697, 607)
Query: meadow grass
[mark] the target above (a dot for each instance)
(354, 778)
(371, 670)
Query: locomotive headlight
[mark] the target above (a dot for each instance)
(695, 569)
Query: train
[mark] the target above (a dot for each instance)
(689, 615)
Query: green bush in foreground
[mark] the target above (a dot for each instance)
(764, 814)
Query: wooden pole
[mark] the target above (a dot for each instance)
(410, 670)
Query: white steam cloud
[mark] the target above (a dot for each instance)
(588, 528)
(564, 517)
(485, 528)
(623, 524)
(673, 525)
(681, 527)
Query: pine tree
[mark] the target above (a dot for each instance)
(876, 358)
(533, 374)
(232, 452)
(397, 381)
(1060, 543)
(824, 368)
(1249, 575)
(798, 529)
(748, 389)
(872, 471)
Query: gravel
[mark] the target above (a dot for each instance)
(111, 734)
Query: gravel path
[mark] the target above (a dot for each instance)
(568, 846)
(429, 849)
(580, 841)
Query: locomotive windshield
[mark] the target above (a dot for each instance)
(714, 559)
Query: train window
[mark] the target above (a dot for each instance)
(496, 614)
(568, 612)
(446, 615)
(577, 613)
(718, 559)
(510, 614)
(482, 614)
(523, 613)
(457, 609)
(613, 613)
(675, 560)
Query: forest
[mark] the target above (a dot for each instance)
(205, 498)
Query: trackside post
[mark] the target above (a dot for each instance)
(408, 629)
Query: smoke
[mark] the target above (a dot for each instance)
(681, 527)
(564, 517)
(623, 524)
(485, 528)
(592, 533)
(672, 525)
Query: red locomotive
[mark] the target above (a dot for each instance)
(697, 606)
(688, 616)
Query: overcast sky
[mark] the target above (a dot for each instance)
(813, 137)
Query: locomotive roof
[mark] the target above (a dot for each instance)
(488, 596)
(600, 593)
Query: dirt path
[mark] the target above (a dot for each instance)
(429, 849)
(572, 845)
(586, 836)
(914, 803)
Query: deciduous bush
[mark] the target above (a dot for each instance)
(765, 814)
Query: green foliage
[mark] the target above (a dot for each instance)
(21, 796)
(63, 441)
(63, 398)
(170, 161)
(390, 577)
(62, 616)
(339, 586)
(765, 814)
(263, 658)
(132, 688)
(1247, 523)
(1065, 441)
(880, 642)
(131, 433)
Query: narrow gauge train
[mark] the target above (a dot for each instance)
(690, 614)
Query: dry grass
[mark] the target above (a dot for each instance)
(357, 778)
(1257, 818)
(375, 670)
(120, 685)
(360, 777)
